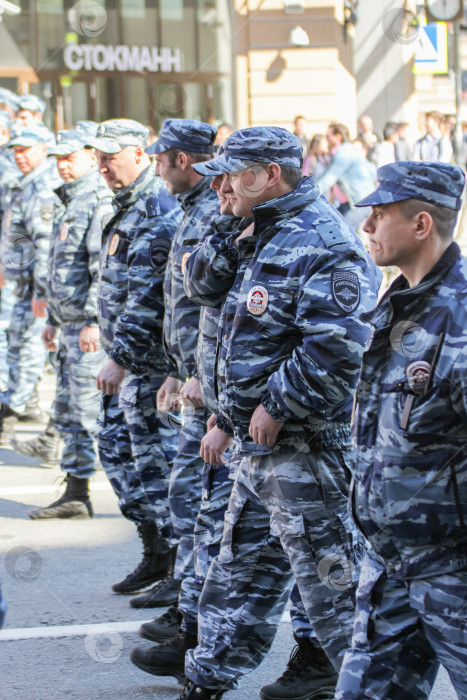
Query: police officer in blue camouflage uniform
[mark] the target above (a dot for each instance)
(181, 143)
(290, 342)
(9, 175)
(409, 496)
(26, 235)
(72, 311)
(135, 448)
(168, 657)
(30, 111)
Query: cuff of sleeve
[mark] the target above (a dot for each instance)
(51, 321)
(271, 408)
(223, 424)
(229, 250)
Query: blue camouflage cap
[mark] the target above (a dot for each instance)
(69, 141)
(436, 183)
(257, 144)
(8, 98)
(185, 135)
(88, 126)
(114, 135)
(32, 135)
(31, 102)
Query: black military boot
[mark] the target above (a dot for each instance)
(164, 627)
(191, 691)
(166, 659)
(45, 447)
(154, 564)
(75, 502)
(8, 421)
(309, 676)
(33, 412)
(164, 593)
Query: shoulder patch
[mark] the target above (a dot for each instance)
(345, 287)
(47, 212)
(158, 254)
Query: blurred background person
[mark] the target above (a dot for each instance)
(385, 152)
(299, 131)
(317, 158)
(402, 147)
(434, 145)
(367, 132)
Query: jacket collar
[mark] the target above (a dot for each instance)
(68, 190)
(401, 296)
(128, 195)
(43, 168)
(189, 198)
(280, 209)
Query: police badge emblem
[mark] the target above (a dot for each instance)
(114, 244)
(158, 254)
(345, 288)
(257, 300)
(418, 374)
(64, 231)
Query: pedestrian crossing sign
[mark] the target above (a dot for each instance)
(431, 53)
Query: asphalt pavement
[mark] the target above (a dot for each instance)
(67, 635)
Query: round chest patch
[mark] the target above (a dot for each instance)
(185, 257)
(257, 300)
(418, 374)
(64, 231)
(114, 244)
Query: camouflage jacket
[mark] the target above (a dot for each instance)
(200, 205)
(209, 321)
(9, 177)
(27, 228)
(290, 334)
(75, 250)
(135, 246)
(410, 484)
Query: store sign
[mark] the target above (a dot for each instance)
(121, 58)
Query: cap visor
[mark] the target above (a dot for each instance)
(380, 196)
(104, 145)
(65, 150)
(157, 147)
(221, 164)
(25, 142)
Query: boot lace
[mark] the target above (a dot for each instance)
(297, 665)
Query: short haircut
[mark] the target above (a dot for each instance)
(292, 176)
(195, 157)
(341, 129)
(444, 219)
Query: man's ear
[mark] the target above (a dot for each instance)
(274, 174)
(139, 153)
(182, 161)
(423, 225)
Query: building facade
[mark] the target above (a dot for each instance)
(235, 61)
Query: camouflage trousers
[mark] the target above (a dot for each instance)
(76, 407)
(403, 631)
(207, 536)
(7, 300)
(186, 487)
(137, 452)
(26, 355)
(287, 517)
